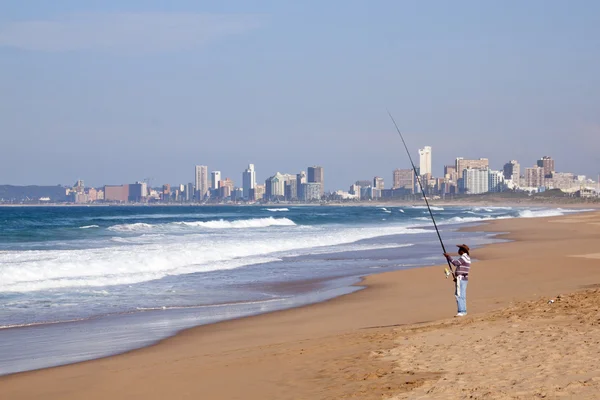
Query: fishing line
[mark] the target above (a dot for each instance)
(448, 272)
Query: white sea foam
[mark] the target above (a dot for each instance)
(434, 208)
(139, 226)
(215, 224)
(239, 224)
(89, 226)
(277, 209)
(541, 213)
(159, 257)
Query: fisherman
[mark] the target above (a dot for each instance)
(461, 277)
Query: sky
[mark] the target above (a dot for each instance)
(114, 92)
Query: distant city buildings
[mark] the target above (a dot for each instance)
(317, 175)
(404, 179)
(462, 164)
(547, 163)
(248, 181)
(464, 177)
(215, 179)
(118, 194)
(495, 181)
(534, 177)
(201, 180)
(378, 183)
(226, 187)
(425, 160)
(512, 172)
(475, 180)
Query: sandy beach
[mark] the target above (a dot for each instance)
(396, 339)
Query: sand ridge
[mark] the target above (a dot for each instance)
(531, 350)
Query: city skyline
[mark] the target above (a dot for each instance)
(464, 177)
(122, 91)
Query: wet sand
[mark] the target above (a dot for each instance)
(397, 338)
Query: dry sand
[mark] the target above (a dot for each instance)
(395, 339)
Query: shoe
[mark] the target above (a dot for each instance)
(461, 314)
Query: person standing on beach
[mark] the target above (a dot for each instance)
(461, 277)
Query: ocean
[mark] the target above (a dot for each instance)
(78, 283)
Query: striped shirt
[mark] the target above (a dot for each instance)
(463, 265)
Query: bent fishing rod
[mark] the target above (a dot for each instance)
(418, 178)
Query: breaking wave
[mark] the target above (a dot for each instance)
(215, 224)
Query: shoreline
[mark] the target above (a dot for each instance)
(328, 319)
(292, 294)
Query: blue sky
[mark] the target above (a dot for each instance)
(117, 91)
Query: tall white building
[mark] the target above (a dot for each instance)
(201, 181)
(425, 160)
(475, 181)
(496, 181)
(215, 178)
(248, 180)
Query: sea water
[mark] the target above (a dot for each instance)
(83, 282)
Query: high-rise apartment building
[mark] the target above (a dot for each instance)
(312, 191)
(189, 192)
(248, 180)
(138, 192)
(425, 160)
(547, 163)
(201, 181)
(317, 175)
(562, 181)
(450, 173)
(215, 178)
(404, 179)
(378, 183)
(259, 192)
(496, 181)
(275, 186)
(225, 188)
(462, 164)
(475, 180)
(512, 171)
(534, 177)
(300, 179)
(166, 192)
(291, 189)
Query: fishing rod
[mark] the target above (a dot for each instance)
(448, 271)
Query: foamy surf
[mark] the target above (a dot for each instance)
(214, 224)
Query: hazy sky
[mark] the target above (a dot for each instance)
(117, 91)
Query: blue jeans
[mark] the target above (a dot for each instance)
(461, 299)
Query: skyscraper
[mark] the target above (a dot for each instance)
(534, 177)
(201, 181)
(495, 181)
(317, 175)
(548, 164)
(225, 188)
(300, 179)
(248, 180)
(512, 171)
(378, 183)
(404, 179)
(425, 160)
(275, 186)
(215, 178)
(475, 180)
(462, 164)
